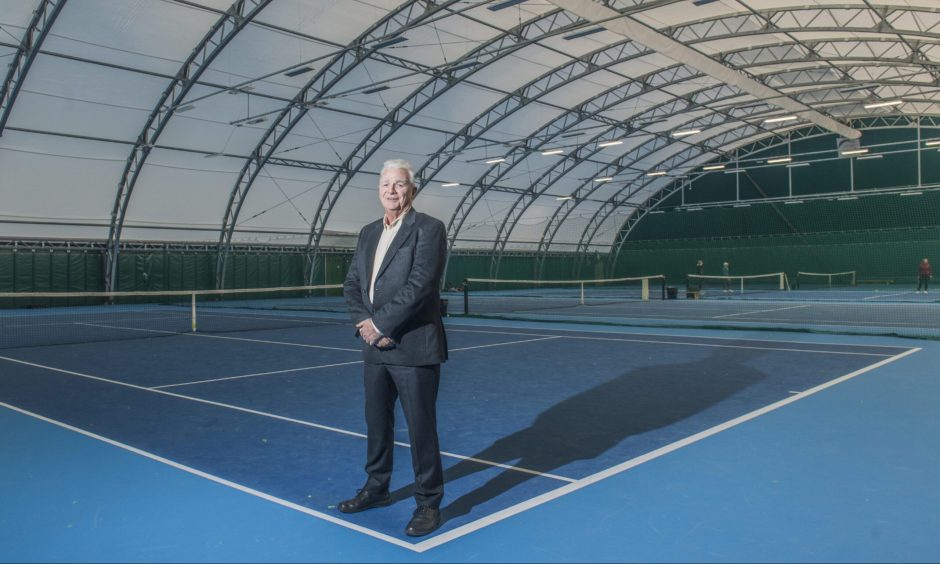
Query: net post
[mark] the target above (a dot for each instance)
(466, 297)
(582, 293)
(193, 309)
(783, 284)
(645, 290)
(662, 287)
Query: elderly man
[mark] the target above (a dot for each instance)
(392, 291)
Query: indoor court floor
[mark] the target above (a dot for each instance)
(562, 442)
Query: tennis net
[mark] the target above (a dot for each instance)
(749, 284)
(820, 280)
(51, 318)
(492, 296)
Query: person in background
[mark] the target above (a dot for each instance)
(392, 291)
(726, 271)
(924, 274)
(700, 270)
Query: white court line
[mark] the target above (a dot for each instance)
(160, 331)
(218, 480)
(274, 372)
(275, 416)
(207, 336)
(683, 343)
(671, 335)
(543, 338)
(468, 528)
(886, 296)
(270, 373)
(759, 311)
(624, 466)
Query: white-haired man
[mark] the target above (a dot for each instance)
(393, 293)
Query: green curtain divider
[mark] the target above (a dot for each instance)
(60, 273)
(23, 269)
(7, 271)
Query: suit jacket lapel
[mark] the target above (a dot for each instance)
(407, 225)
(370, 245)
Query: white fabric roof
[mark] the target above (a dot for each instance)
(174, 120)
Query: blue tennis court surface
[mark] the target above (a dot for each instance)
(528, 413)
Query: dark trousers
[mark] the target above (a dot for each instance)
(922, 281)
(417, 387)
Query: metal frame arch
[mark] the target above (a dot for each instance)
(502, 45)
(658, 141)
(554, 127)
(618, 166)
(44, 17)
(554, 224)
(613, 204)
(239, 14)
(521, 97)
(863, 123)
(391, 25)
(747, 49)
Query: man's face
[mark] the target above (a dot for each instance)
(395, 192)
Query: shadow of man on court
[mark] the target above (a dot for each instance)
(591, 422)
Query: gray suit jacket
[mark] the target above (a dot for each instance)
(407, 304)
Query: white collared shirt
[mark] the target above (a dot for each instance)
(385, 241)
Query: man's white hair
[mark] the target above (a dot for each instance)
(403, 165)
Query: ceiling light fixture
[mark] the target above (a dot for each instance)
(797, 165)
(389, 42)
(617, 142)
(298, 71)
(857, 88)
(883, 104)
(932, 143)
(713, 167)
(560, 198)
(686, 132)
(553, 152)
(781, 119)
(656, 173)
(503, 5)
(604, 179)
(450, 184)
(910, 193)
(467, 65)
(780, 160)
(583, 33)
(376, 89)
(494, 161)
(866, 157)
(851, 152)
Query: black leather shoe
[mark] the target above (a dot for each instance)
(365, 500)
(426, 520)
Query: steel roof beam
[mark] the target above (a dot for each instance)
(239, 14)
(629, 27)
(37, 30)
